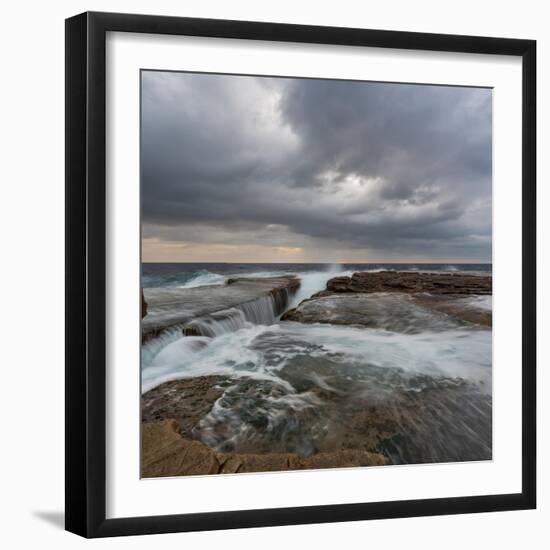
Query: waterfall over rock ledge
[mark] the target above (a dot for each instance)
(216, 309)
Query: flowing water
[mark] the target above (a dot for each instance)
(413, 383)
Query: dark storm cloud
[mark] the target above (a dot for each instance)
(389, 168)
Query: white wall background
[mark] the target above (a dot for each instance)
(32, 256)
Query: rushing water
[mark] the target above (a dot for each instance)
(307, 387)
(188, 275)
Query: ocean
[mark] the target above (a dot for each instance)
(304, 388)
(188, 275)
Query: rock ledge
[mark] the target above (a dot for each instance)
(166, 453)
(412, 282)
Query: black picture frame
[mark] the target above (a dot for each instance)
(86, 284)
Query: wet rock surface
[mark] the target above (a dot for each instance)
(143, 305)
(395, 312)
(401, 302)
(169, 307)
(166, 453)
(186, 401)
(408, 418)
(412, 282)
(379, 368)
(470, 309)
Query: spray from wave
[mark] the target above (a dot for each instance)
(204, 278)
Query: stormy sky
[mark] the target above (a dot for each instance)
(256, 169)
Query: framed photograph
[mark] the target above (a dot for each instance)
(300, 274)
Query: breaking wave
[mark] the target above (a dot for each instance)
(204, 278)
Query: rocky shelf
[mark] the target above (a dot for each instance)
(166, 453)
(412, 282)
(167, 307)
(386, 419)
(399, 301)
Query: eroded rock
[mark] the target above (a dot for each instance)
(186, 401)
(170, 307)
(389, 311)
(412, 282)
(166, 453)
(404, 302)
(143, 305)
(410, 418)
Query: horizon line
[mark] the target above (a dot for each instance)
(462, 262)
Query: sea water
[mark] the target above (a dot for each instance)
(309, 378)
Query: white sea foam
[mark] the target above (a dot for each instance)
(314, 280)
(252, 343)
(301, 370)
(479, 302)
(258, 351)
(464, 353)
(229, 354)
(204, 278)
(208, 278)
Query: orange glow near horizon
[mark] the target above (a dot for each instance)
(158, 251)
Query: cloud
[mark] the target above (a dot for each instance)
(331, 169)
